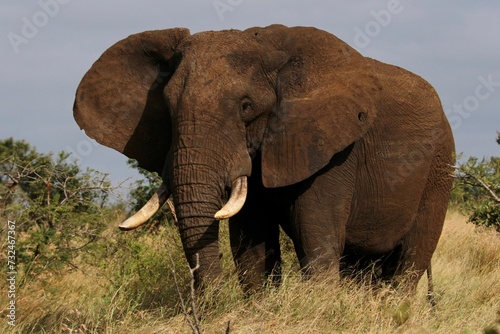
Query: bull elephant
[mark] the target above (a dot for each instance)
(350, 156)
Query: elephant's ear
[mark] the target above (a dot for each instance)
(326, 101)
(119, 101)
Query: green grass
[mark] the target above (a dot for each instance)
(130, 289)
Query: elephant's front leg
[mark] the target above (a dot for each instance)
(254, 237)
(256, 251)
(319, 218)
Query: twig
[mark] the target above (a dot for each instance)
(193, 293)
(172, 210)
(431, 297)
(69, 195)
(183, 304)
(93, 238)
(192, 318)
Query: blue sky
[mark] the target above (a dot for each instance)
(48, 45)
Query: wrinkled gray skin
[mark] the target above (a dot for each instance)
(350, 156)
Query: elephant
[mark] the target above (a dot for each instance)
(278, 129)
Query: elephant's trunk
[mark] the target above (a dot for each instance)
(207, 155)
(198, 192)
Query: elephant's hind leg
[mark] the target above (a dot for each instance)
(421, 241)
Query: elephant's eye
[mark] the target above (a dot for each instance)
(246, 109)
(246, 106)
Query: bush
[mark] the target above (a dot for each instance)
(141, 269)
(59, 210)
(477, 190)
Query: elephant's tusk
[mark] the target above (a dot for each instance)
(148, 210)
(236, 200)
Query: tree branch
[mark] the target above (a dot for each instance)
(485, 186)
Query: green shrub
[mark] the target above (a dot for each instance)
(59, 210)
(142, 269)
(477, 190)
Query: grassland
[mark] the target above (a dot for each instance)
(130, 288)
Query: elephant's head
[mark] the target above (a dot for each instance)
(197, 108)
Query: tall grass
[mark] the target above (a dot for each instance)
(132, 290)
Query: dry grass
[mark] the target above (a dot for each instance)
(466, 278)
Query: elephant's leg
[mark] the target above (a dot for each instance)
(254, 237)
(421, 241)
(319, 218)
(318, 234)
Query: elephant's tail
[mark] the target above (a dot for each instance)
(430, 287)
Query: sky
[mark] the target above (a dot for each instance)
(46, 46)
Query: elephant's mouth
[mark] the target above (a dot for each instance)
(236, 201)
